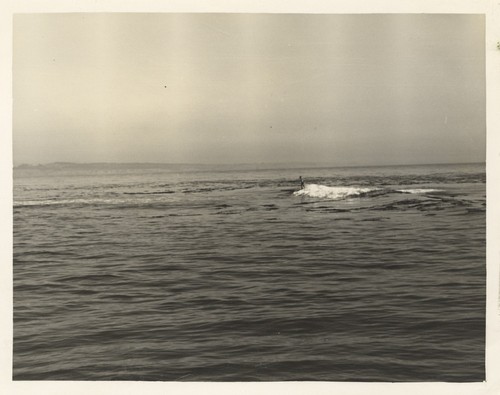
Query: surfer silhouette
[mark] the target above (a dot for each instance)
(301, 182)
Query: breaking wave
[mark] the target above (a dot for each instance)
(337, 193)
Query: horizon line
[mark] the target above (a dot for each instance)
(274, 164)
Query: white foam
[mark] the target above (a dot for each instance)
(323, 191)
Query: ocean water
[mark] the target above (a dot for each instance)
(196, 273)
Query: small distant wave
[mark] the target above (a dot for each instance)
(149, 193)
(418, 190)
(60, 202)
(336, 193)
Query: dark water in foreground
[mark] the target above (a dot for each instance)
(160, 273)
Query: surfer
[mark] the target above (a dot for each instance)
(301, 182)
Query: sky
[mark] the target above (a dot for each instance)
(373, 89)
